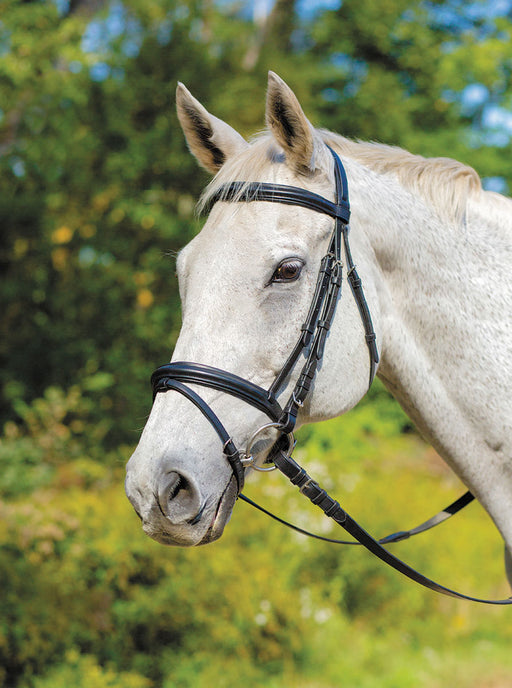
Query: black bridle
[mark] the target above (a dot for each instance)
(311, 343)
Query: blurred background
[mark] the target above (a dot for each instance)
(97, 192)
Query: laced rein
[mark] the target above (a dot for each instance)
(311, 343)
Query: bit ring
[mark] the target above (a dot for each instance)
(247, 460)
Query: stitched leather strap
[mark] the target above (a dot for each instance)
(340, 212)
(229, 449)
(280, 193)
(357, 290)
(215, 378)
(440, 517)
(312, 490)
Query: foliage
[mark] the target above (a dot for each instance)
(87, 595)
(96, 187)
(96, 195)
(82, 671)
(55, 431)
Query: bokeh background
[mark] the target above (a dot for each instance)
(97, 192)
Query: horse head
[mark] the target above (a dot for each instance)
(246, 284)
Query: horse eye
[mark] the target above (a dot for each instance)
(288, 271)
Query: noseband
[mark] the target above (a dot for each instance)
(311, 344)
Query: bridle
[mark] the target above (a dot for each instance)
(313, 335)
(311, 343)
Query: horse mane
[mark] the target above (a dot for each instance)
(445, 183)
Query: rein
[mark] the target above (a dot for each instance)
(311, 343)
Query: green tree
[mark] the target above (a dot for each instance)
(96, 195)
(97, 188)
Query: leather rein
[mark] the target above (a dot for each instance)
(310, 345)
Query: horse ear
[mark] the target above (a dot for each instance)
(289, 125)
(210, 140)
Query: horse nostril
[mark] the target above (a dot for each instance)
(169, 490)
(175, 484)
(176, 498)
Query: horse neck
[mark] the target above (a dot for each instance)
(443, 292)
(444, 324)
(405, 242)
(429, 265)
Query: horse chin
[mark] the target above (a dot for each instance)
(223, 513)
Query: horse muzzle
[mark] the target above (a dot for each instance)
(176, 509)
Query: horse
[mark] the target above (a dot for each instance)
(434, 252)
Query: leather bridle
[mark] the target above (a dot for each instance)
(311, 343)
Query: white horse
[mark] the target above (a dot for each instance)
(434, 252)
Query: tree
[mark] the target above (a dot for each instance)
(97, 186)
(97, 193)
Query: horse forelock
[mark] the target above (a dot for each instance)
(250, 166)
(444, 183)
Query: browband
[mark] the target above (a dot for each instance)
(279, 193)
